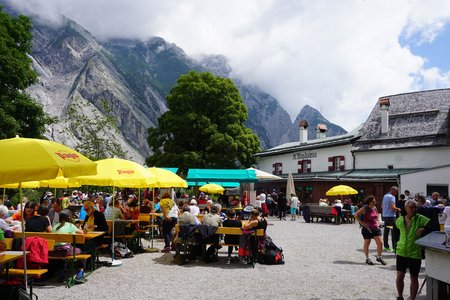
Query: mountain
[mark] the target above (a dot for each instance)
(314, 117)
(82, 79)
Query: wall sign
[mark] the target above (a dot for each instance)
(304, 155)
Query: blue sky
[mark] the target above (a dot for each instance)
(435, 53)
(341, 56)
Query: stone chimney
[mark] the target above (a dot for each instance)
(321, 131)
(303, 124)
(384, 107)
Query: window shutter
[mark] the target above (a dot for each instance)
(330, 164)
(300, 166)
(342, 163)
(308, 169)
(274, 169)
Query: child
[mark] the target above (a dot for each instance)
(231, 239)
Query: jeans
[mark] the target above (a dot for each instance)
(390, 221)
(167, 227)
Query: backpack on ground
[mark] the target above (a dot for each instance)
(122, 251)
(271, 254)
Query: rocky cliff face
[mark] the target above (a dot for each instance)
(128, 80)
(314, 117)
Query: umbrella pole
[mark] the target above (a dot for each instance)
(114, 263)
(22, 223)
(4, 194)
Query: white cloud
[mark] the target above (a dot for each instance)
(337, 56)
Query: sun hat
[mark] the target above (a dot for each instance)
(193, 202)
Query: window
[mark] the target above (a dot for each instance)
(336, 163)
(304, 166)
(277, 168)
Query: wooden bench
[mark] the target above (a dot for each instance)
(220, 231)
(53, 238)
(318, 211)
(31, 273)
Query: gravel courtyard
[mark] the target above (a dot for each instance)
(323, 261)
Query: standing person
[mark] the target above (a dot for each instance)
(281, 205)
(170, 217)
(409, 254)
(294, 206)
(389, 216)
(274, 198)
(367, 217)
(262, 201)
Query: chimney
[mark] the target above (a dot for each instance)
(384, 107)
(303, 124)
(321, 131)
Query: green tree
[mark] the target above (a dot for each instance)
(204, 126)
(95, 143)
(19, 113)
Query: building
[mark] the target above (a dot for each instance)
(404, 142)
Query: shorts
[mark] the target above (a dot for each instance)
(370, 234)
(293, 210)
(413, 264)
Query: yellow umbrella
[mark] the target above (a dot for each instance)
(212, 188)
(59, 182)
(118, 172)
(121, 173)
(167, 179)
(25, 159)
(25, 185)
(341, 190)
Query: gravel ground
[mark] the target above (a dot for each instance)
(323, 261)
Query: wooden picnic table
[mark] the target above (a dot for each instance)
(8, 256)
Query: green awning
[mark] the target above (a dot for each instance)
(221, 183)
(221, 175)
(378, 173)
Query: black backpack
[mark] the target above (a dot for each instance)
(272, 254)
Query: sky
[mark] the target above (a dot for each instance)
(339, 57)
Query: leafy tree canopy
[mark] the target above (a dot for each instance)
(19, 113)
(204, 126)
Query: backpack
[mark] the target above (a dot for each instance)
(121, 251)
(272, 254)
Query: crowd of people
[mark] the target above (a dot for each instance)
(406, 219)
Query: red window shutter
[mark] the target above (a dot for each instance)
(300, 166)
(330, 163)
(274, 169)
(342, 163)
(308, 169)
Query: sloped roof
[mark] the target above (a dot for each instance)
(419, 119)
(313, 144)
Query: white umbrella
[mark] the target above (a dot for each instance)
(264, 175)
(290, 187)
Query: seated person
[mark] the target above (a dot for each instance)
(29, 211)
(231, 239)
(2, 241)
(95, 220)
(186, 218)
(39, 222)
(195, 210)
(113, 212)
(208, 206)
(146, 207)
(66, 249)
(212, 218)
